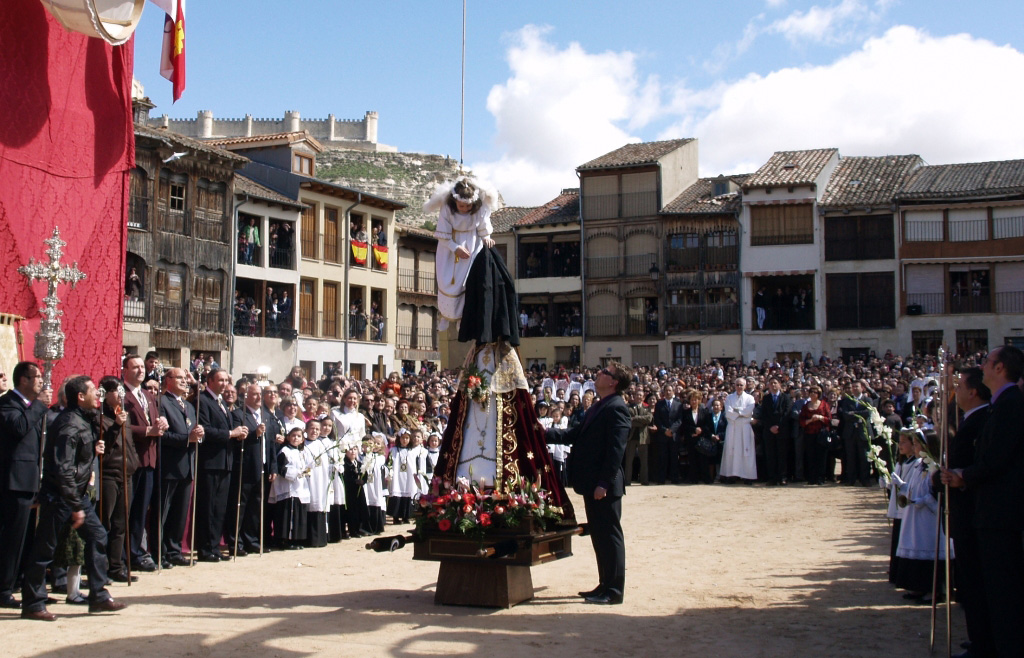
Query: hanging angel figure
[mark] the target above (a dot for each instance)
(496, 441)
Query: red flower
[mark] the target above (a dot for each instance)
(457, 497)
(485, 519)
(444, 525)
(469, 499)
(467, 509)
(474, 381)
(499, 510)
(424, 502)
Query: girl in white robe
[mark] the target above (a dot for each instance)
(319, 480)
(403, 487)
(419, 457)
(374, 467)
(289, 492)
(463, 229)
(917, 531)
(901, 471)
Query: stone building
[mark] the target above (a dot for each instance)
(347, 286)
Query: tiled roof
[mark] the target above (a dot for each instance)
(503, 220)
(253, 189)
(564, 208)
(699, 198)
(417, 231)
(791, 168)
(632, 155)
(273, 138)
(972, 179)
(187, 142)
(868, 181)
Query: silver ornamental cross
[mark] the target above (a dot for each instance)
(50, 337)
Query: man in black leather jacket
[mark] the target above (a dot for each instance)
(67, 469)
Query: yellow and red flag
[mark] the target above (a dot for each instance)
(381, 256)
(172, 58)
(359, 252)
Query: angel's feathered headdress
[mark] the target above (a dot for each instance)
(446, 190)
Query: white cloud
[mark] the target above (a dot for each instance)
(559, 109)
(948, 99)
(821, 24)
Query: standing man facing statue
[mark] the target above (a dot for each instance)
(595, 472)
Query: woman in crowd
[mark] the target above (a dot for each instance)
(815, 419)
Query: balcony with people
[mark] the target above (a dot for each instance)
(263, 309)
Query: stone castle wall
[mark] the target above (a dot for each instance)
(358, 134)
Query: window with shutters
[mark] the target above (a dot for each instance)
(860, 301)
(781, 224)
(307, 307)
(330, 315)
(308, 232)
(859, 238)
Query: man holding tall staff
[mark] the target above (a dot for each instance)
(177, 454)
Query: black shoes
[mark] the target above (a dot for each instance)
(594, 592)
(209, 557)
(146, 563)
(121, 576)
(604, 599)
(9, 602)
(178, 561)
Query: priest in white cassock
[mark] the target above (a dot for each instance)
(738, 457)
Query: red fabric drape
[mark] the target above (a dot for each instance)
(66, 147)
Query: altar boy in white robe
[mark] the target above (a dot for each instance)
(738, 456)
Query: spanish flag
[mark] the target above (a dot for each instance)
(380, 254)
(359, 252)
(172, 57)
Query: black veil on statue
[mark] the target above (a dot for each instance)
(491, 309)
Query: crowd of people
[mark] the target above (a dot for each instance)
(322, 461)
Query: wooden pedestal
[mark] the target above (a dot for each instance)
(500, 581)
(485, 583)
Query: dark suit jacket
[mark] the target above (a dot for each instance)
(997, 475)
(251, 461)
(145, 446)
(852, 414)
(688, 427)
(666, 416)
(19, 443)
(598, 445)
(775, 413)
(216, 451)
(961, 455)
(711, 429)
(176, 453)
(274, 427)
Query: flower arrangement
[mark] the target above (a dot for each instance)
(475, 385)
(471, 509)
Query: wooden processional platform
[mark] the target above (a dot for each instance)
(494, 572)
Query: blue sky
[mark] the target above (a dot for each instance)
(550, 85)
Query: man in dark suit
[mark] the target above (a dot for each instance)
(215, 460)
(775, 408)
(273, 440)
(246, 470)
(177, 454)
(997, 480)
(972, 396)
(595, 472)
(22, 412)
(664, 451)
(796, 433)
(854, 411)
(147, 427)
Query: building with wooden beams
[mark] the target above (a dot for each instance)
(861, 266)
(178, 269)
(622, 196)
(962, 255)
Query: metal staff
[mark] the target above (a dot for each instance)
(263, 479)
(238, 510)
(124, 487)
(160, 504)
(942, 425)
(192, 515)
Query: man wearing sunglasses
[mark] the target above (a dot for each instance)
(595, 472)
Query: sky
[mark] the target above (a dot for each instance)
(553, 84)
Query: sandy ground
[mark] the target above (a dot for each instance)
(712, 571)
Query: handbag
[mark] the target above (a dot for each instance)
(707, 446)
(831, 439)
